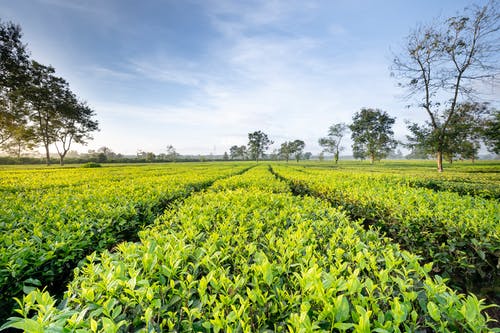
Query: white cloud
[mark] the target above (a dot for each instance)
(281, 84)
(258, 75)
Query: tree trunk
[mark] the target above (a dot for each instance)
(439, 159)
(47, 154)
(62, 156)
(336, 157)
(372, 159)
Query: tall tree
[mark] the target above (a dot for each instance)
(36, 106)
(14, 61)
(297, 149)
(76, 125)
(331, 143)
(47, 95)
(372, 134)
(258, 143)
(292, 148)
(238, 152)
(441, 63)
(171, 153)
(285, 150)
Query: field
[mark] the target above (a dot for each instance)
(245, 247)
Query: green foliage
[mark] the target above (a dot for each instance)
(459, 139)
(238, 152)
(439, 67)
(252, 257)
(459, 234)
(37, 107)
(491, 132)
(258, 143)
(51, 219)
(292, 148)
(372, 134)
(331, 143)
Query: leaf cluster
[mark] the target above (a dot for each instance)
(51, 219)
(246, 260)
(459, 234)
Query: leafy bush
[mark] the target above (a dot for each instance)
(460, 234)
(52, 218)
(247, 260)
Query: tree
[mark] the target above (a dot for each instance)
(36, 106)
(233, 152)
(46, 96)
(292, 148)
(463, 136)
(464, 131)
(297, 149)
(21, 139)
(331, 143)
(14, 124)
(372, 134)
(103, 154)
(442, 62)
(171, 153)
(14, 62)
(14, 58)
(285, 150)
(225, 157)
(491, 132)
(238, 152)
(258, 143)
(150, 156)
(76, 125)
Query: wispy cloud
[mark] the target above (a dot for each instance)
(268, 65)
(87, 6)
(108, 73)
(166, 69)
(280, 83)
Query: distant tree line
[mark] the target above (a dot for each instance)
(37, 107)
(441, 67)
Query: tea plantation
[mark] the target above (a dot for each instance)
(245, 247)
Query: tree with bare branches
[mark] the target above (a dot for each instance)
(442, 63)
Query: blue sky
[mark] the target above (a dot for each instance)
(200, 75)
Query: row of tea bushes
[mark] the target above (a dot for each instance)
(250, 260)
(460, 234)
(51, 219)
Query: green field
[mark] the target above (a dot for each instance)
(245, 247)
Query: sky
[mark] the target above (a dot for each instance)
(201, 75)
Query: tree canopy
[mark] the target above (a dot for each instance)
(258, 143)
(372, 134)
(441, 64)
(331, 143)
(36, 106)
